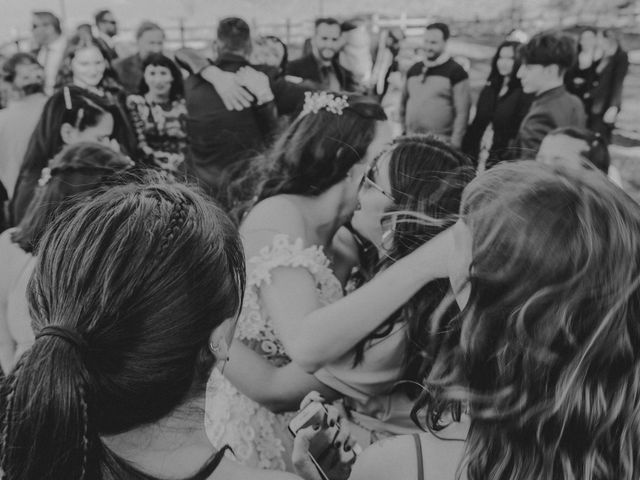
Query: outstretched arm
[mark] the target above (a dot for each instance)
(280, 389)
(314, 335)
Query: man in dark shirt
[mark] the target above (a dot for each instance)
(545, 59)
(436, 97)
(150, 39)
(219, 137)
(106, 29)
(321, 67)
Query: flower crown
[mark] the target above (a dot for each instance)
(316, 101)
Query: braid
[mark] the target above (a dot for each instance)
(85, 432)
(179, 216)
(10, 392)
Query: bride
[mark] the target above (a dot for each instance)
(298, 256)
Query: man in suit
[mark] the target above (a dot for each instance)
(219, 138)
(321, 68)
(545, 59)
(50, 46)
(106, 29)
(150, 39)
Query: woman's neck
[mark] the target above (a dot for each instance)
(156, 98)
(92, 88)
(176, 445)
(324, 214)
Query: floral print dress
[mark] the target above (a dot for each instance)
(160, 130)
(257, 436)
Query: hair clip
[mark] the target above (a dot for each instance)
(45, 176)
(67, 98)
(316, 101)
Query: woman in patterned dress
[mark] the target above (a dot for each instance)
(306, 190)
(159, 114)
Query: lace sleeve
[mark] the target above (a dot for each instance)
(285, 253)
(254, 327)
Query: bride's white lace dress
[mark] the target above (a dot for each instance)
(257, 436)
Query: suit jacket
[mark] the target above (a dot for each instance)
(550, 110)
(307, 68)
(129, 71)
(108, 51)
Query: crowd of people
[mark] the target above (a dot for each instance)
(194, 249)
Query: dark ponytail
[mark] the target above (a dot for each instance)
(128, 287)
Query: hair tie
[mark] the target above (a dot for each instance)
(67, 334)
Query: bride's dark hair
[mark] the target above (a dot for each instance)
(312, 155)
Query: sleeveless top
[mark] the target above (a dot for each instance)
(257, 436)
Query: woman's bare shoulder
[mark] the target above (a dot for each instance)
(230, 470)
(397, 457)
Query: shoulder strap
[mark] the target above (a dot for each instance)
(416, 438)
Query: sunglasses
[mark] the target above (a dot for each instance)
(369, 180)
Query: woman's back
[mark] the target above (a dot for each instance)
(423, 456)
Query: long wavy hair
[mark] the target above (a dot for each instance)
(427, 177)
(142, 273)
(547, 355)
(495, 79)
(313, 154)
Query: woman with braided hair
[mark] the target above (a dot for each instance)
(134, 298)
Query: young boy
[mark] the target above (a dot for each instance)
(545, 59)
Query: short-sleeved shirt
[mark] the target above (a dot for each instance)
(430, 107)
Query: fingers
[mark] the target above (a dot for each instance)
(303, 438)
(311, 397)
(236, 97)
(333, 415)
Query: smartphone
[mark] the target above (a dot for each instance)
(316, 414)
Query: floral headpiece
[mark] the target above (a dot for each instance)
(316, 101)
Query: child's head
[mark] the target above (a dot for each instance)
(576, 148)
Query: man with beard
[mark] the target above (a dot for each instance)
(150, 39)
(106, 30)
(17, 122)
(321, 68)
(436, 98)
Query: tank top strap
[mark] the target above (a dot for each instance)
(418, 442)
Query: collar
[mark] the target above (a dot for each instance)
(231, 58)
(106, 38)
(443, 58)
(552, 92)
